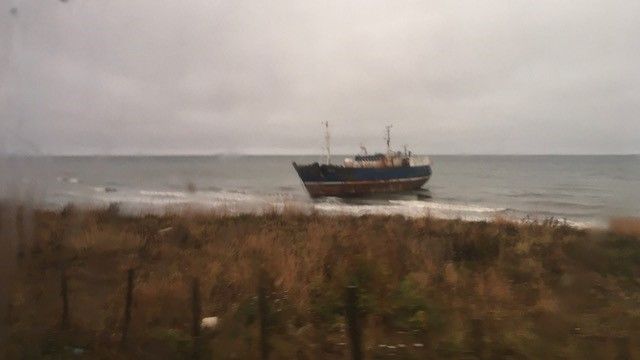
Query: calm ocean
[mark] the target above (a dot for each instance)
(584, 190)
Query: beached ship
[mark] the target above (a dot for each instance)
(365, 174)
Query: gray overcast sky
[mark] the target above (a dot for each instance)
(203, 76)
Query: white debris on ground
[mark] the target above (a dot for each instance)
(209, 323)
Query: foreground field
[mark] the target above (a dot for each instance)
(427, 288)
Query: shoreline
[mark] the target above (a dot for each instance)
(330, 207)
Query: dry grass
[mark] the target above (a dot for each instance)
(531, 290)
(625, 226)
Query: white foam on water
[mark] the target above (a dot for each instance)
(233, 202)
(171, 194)
(411, 208)
(241, 202)
(447, 207)
(227, 201)
(231, 196)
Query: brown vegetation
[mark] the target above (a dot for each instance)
(625, 226)
(427, 287)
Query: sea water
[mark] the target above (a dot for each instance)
(581, 190)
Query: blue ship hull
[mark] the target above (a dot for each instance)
(331, 180)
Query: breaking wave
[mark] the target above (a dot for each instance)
(170, 194)
(411, 208)
(448, 207)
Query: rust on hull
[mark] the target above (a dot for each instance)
(360, 188)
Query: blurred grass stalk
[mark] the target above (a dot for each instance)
(8, 239)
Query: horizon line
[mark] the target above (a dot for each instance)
(300, 154)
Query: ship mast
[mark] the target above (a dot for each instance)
(327, 141)
(388, 138)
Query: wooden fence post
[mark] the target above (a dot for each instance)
(20, 231)
(64, 293)
(477, 338)
(127, 307)
(263, 313)
(355, 334)
(622, 345)
(197, 316)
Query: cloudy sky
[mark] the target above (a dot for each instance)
(206, 76)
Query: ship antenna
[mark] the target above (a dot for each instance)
(388, 138)
(327, 140)
(363, 149)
